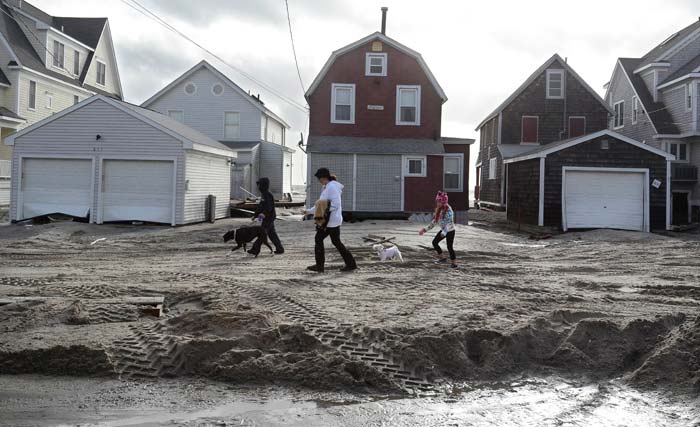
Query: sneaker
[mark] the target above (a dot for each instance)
(279, 251)
(454, 266)
(315, 268)
(440, 260)
(348, 268)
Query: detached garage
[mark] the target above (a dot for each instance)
(108, 160)
(600, 180)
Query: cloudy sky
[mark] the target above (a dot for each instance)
(479, 51)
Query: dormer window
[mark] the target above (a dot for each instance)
(555, 84)
(58, 54)
(375, 64)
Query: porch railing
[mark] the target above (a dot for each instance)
(684, 173)
(5, 168)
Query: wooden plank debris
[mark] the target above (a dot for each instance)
(124, 300)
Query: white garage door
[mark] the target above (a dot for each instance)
(55, 186)
(137, 190)
(604, 199)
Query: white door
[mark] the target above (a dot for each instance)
(287, 173)
(55, 186)
(137, 190)
(604, 199)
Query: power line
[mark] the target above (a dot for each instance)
(146, 12)
(294, 51)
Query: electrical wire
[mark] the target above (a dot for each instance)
(294, 50)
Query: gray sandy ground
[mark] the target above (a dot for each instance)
(605, 304)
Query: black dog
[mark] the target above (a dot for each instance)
(244, 235)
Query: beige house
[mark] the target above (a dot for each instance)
(47, 64)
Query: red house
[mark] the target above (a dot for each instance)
(375, 122)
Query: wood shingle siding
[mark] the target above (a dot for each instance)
(490, 190)
(523, 191)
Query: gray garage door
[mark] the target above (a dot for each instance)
(378, 183)
(340, 165)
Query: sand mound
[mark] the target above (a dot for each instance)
(75, 360)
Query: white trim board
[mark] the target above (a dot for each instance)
(384, 39)
(619, 66)
(590, 136)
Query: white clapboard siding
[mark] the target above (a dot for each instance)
(204, 111)
(104, 54)
(271, 156)
(206, 174)
(287, 173)
(255, 169)
(4, 191)
(121, 136)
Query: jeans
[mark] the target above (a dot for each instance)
(272, 235)
(450, 240)
(320, 252)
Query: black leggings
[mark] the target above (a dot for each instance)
(450, 240)
(320, 251)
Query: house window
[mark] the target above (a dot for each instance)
(217, 89)
(635, 110)
(555, 84)
(232, 125)
(178, 115)
(375, 64)
(76, 99)
(453, 173)
(415, 166)
(76, 63)
(190, 88)
(101, 73)
(689, 97)
(529, 130)
(408, 105)
(492, 168)
(49, 100)
(343, 103)
(32, 95)
(58, 54)
(679, 149)
(619, 119)
(577, 126)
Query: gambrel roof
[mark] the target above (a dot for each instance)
(384, 39)
(206, 65)
(533, 77)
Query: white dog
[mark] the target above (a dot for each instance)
(389, 253)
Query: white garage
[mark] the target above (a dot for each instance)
(605, 198)
(108, 160)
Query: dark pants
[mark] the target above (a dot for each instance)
(335, 239)
(272, 235)
(450, 240)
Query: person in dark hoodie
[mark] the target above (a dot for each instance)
(266, 215)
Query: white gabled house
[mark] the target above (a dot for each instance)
(48, 63)
(109, 160)
(208, 101)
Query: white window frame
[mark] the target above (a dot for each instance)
(226, 138)
(179, 111)
(49, 101)
(622, 115)
(334, 88)
(635, 110)
(400, 88)
(522, 130)
(31, 100)
(687, 151)
(424, 166)
(688, 97)
(563, 83)
(385, 65)
(184, 88)
(58, 55)
(569, 124)
(97, 73)
(460, 158)
(493, 168)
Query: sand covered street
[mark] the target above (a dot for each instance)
(600, 304)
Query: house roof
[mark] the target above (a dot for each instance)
(5, 112)
(391, 42)
(241, 145)
(4, 80)
(204, 64)
(85, 30)
(513, 150)
(533, 77)
(544, 150)
(360, 145)
(687, 68)
(454, 140)
(191, 138)
(656, 111)
(669, 43)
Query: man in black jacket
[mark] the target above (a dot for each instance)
(265, 213)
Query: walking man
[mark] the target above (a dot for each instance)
(331, 194)
(265, 213)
